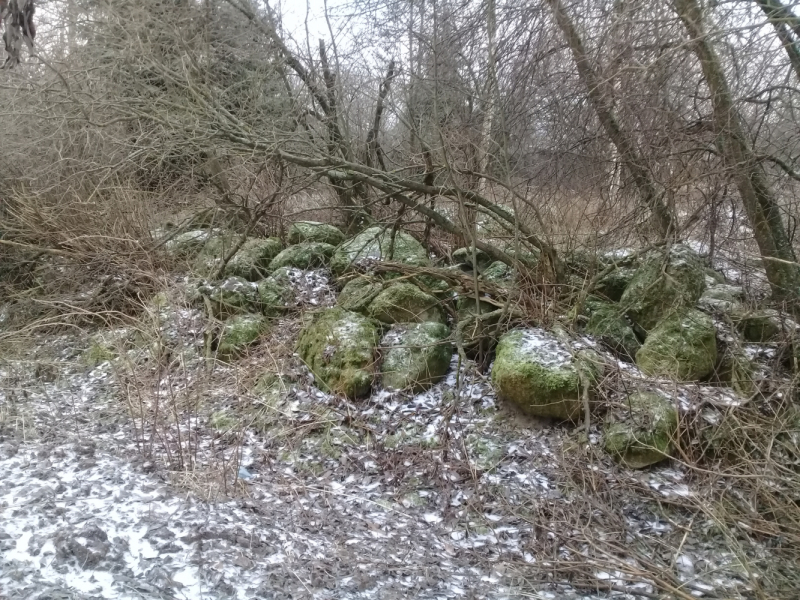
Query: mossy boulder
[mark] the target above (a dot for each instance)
(467, 259)
(253, 259)
(721, 298)
(190, 243)
(541, 375)
(358, 293)
(314, 231)
(339, 348)
(415, 356)
(308, 255)
(758, 326)
(613, 285)
(234, 295)
(405, 303)
(682, 347)
(665, 283)
(275, 293)
(645, 433)
(477, 324)
(498, 273)
(735, 370)
(238, 333)
(609, 325)
(375, 244)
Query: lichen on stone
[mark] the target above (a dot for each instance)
(682, 347)
(376, 244)
(314, 231)
(307, 255)
(238, 333)
(645, 432)
(415, 356)
(405, 303)
(339, 348)
(540, 375)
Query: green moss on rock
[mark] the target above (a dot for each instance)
(253, 259)
(540, 375)
(415, 356)
(405, 303)
(644, 434)
(238, 333)
(613, 285)
(308, 255)
(275, 293)
(314, 231)
(664, 284)
(609, 325)
(498, 273)
(375, 243)
(339, 348)
(682, 347)
(468, 259)
(758, 326)
(232, 296)
(190, 243)
(359, 293)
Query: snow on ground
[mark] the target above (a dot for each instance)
(444, 494)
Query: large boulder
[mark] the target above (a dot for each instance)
(238, 333)
(758, 326)
(498, 273)
(468, 259)
(541, 375)
(339, 348)
(721, 298)
(683, 347)
(253, 259)
(313, 231)
(308, 255)
(608, 324)
(233, 296)
(477, 324)
(276, 293)
(665, 283)
(405, 303)
(614, 284)
(415, 356)
(358, 293)
(643, 435)
(375, 244)
(190, 243)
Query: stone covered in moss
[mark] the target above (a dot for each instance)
(375, 244)
(314, 231)
(721, 298)
(339, 348)
(736, 370)
(275, 293)
(308, 255)
(190, 243)
(415, 356)
(497, 273)
(467, 259)
(405, 303)
(758, 326)
(540, 375)
(232, 296)
(682, 347)
(252, 260)
(664, 284)
(613, 285)
(609, 325)
(644, 436)
(359, 293)
(238, 333)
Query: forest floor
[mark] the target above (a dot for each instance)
(128, 477)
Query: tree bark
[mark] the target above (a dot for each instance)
(748, 173)
(785, 23)
(650, 194)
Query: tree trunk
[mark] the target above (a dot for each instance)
(651, 196)
(785, 23)
(748, 173)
